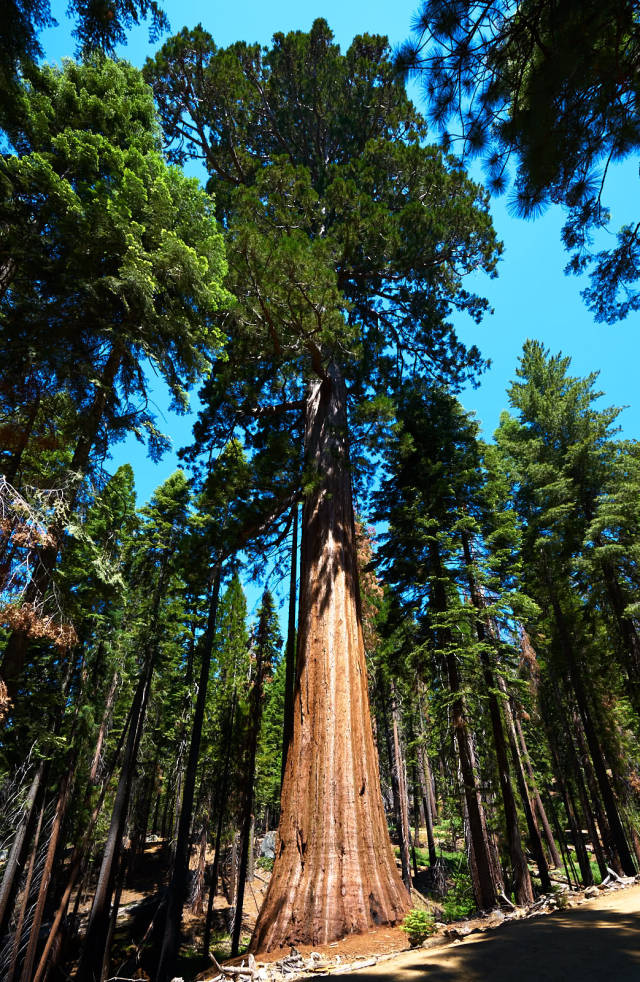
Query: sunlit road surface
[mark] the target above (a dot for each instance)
(598, 940)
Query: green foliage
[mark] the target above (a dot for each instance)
(265, 862)
(553, 85)
(98, 26)
(418, 925)
(108, 248)
(348, 238)
(459, 902)
(269, 757)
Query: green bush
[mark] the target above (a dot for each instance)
(265, 862)
(459, 902)
(418, 925)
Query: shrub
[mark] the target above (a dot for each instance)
(265, 862)
(418, 925)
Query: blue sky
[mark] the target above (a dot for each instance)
(531, 297)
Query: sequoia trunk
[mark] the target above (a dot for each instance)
(334, 871)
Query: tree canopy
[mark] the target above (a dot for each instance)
(551, 88)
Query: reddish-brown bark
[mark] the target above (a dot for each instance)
(334, 871)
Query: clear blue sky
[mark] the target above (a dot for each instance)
(531, 297)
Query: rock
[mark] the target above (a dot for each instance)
(268, 845)
(439, 926)
(432, 942)
(457, 932)
(592, 892)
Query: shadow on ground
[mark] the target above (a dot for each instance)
(580, 944)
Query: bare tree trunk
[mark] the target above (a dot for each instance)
(179, 879)
(222, 803)
(198, 893)
(403, 800)
(102, 732)
(574, 826)
(534, 832)
(61, 807)
(79, 857)
(13, 866)
(94, 948)
(251, 862)
(618, 838)
(426, 801)
(485, 885)
(248, 817)
(290, 651)
(540, 809)
(334, 872)
(121, 875)
(425, 763)
(521, 878)
(17, 937)
(591, 803)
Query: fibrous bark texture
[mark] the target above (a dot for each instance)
(334, 872)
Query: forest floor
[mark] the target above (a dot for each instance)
(593, 939)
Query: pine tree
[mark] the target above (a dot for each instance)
(559, 449)
(116, 254)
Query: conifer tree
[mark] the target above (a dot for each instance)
(114, 253)
(323, 297)
(559, 450)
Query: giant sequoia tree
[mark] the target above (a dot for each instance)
(348, 240)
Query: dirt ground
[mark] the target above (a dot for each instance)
(599, 940)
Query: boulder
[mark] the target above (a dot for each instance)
(268, 845)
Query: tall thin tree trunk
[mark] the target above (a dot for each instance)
(619, 841)
(521, 879)
(482, 865)
(290, 650)
(574, 825)
(403, 799)
(78, 860)
(177, 890)
(334, 871)
(13, 867)
(533, 786)
(198, 893)
(532, 826)
(222, 802)
(121, 875)
(247, 816)
(426, 801)
(94, 949)
(102, 732)
(485, 884)
(591, 803)
(36, 922)
(17, 937)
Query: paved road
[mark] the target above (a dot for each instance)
(597, 941)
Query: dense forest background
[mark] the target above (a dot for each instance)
(444, 715)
